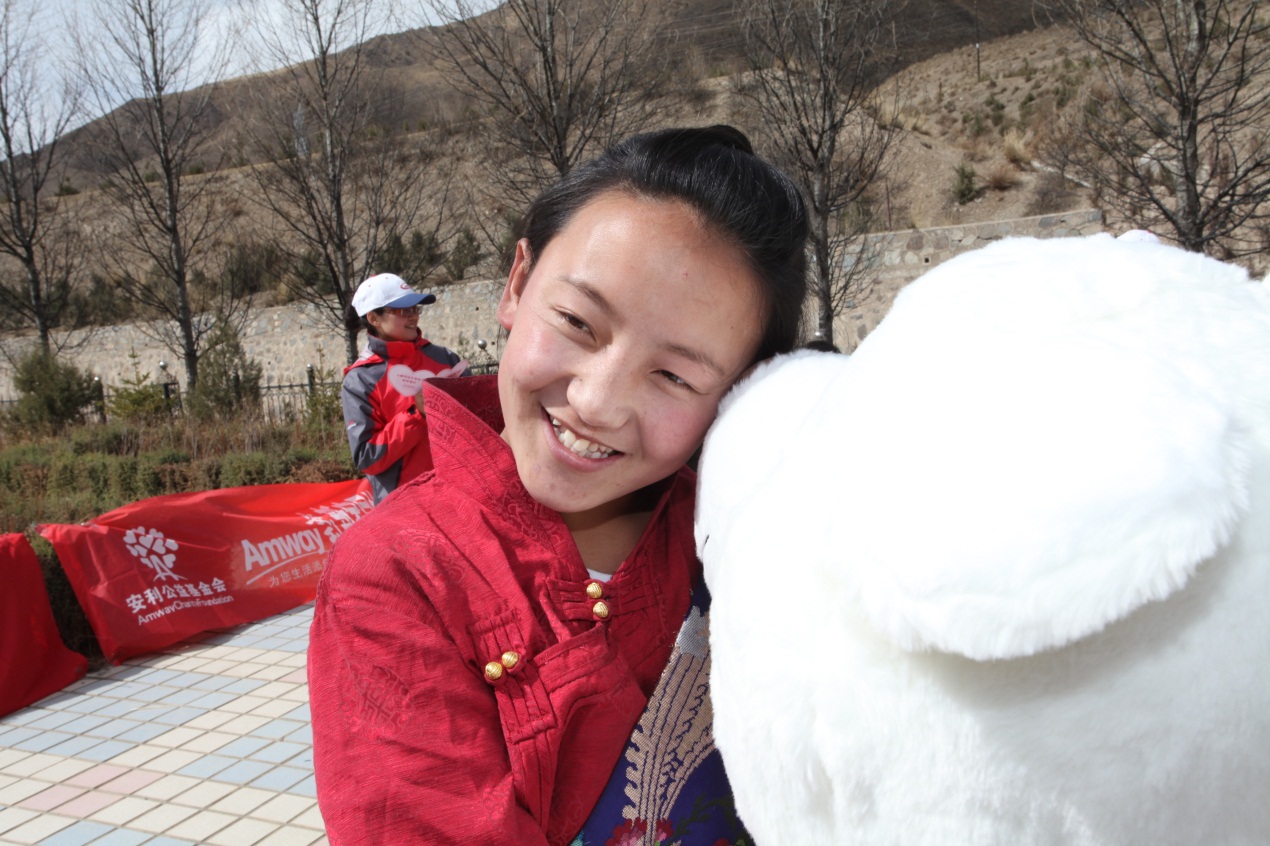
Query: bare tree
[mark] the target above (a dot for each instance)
(150, 52)
(555, 79)
(1177, 140)
(338, 174)
(816, 71)
(34, 113)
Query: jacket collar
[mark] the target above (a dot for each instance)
(377, 350)
(387, 350)
(465, 421)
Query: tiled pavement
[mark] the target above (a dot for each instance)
(208, 742)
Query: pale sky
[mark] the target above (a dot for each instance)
(245, 19)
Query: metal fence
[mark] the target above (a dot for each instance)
(279, 401)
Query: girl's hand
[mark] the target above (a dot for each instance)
(419, 404)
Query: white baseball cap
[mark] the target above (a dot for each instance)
(1139, 236)
(387, 290)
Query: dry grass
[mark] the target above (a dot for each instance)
(977, 148)
(1017, 148)
(1002, 177)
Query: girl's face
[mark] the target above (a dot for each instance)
(623, 337)
(396, 324)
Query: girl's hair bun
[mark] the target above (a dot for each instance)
(734, 137)
(724, 135)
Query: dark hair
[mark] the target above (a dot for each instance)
(354, 322)
(714, 170)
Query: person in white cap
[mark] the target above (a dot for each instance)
(383, 409)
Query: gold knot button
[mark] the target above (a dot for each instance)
(494, 671)
(509, 659)
(595, 590)
(600, 610)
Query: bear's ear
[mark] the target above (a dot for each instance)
(1062, 491)
(1041, 437)
(1070, 446)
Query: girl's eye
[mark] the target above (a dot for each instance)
(673, 379)
(574, 322)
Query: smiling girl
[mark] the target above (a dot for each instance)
(485, 643)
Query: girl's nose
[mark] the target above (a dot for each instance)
(601, 393)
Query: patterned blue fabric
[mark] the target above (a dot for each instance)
(670, 786)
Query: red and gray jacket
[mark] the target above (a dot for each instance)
(386, 433)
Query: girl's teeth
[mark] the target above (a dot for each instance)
(580, 446)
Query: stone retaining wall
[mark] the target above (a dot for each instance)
(900, 257)
(286, 339)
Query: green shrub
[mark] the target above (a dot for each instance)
(138, 401)
(252, 267)
(109, 439)
(205, 474)
(324, 410)
(102, 303)
(964, 188)
(72, 622)
(510, 236)
(312, 272)
(326, 467)
(63, 474)
(159, 473)
(94, 474)
(249, 468)
(23, 470)
(76, 507)
(465, 253)
(411, 259)
(1027, 108)
(227, 378)
(12, 516)
(299, 455)
(123, 479)
(52, 394)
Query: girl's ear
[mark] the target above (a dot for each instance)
(516, 281)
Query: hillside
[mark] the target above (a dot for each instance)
(986, 107)
(411, 90)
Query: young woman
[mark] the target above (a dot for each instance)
(383, 417)
(485, 644)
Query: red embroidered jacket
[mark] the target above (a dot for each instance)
(469, 682)
(386, 434)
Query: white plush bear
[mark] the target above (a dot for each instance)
(1003, 575)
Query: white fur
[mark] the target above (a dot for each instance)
(1002, 576)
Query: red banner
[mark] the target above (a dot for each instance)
(33, 660)
(160, 570)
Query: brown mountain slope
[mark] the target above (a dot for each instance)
(411, 91)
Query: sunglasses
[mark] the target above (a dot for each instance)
(402, 312)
